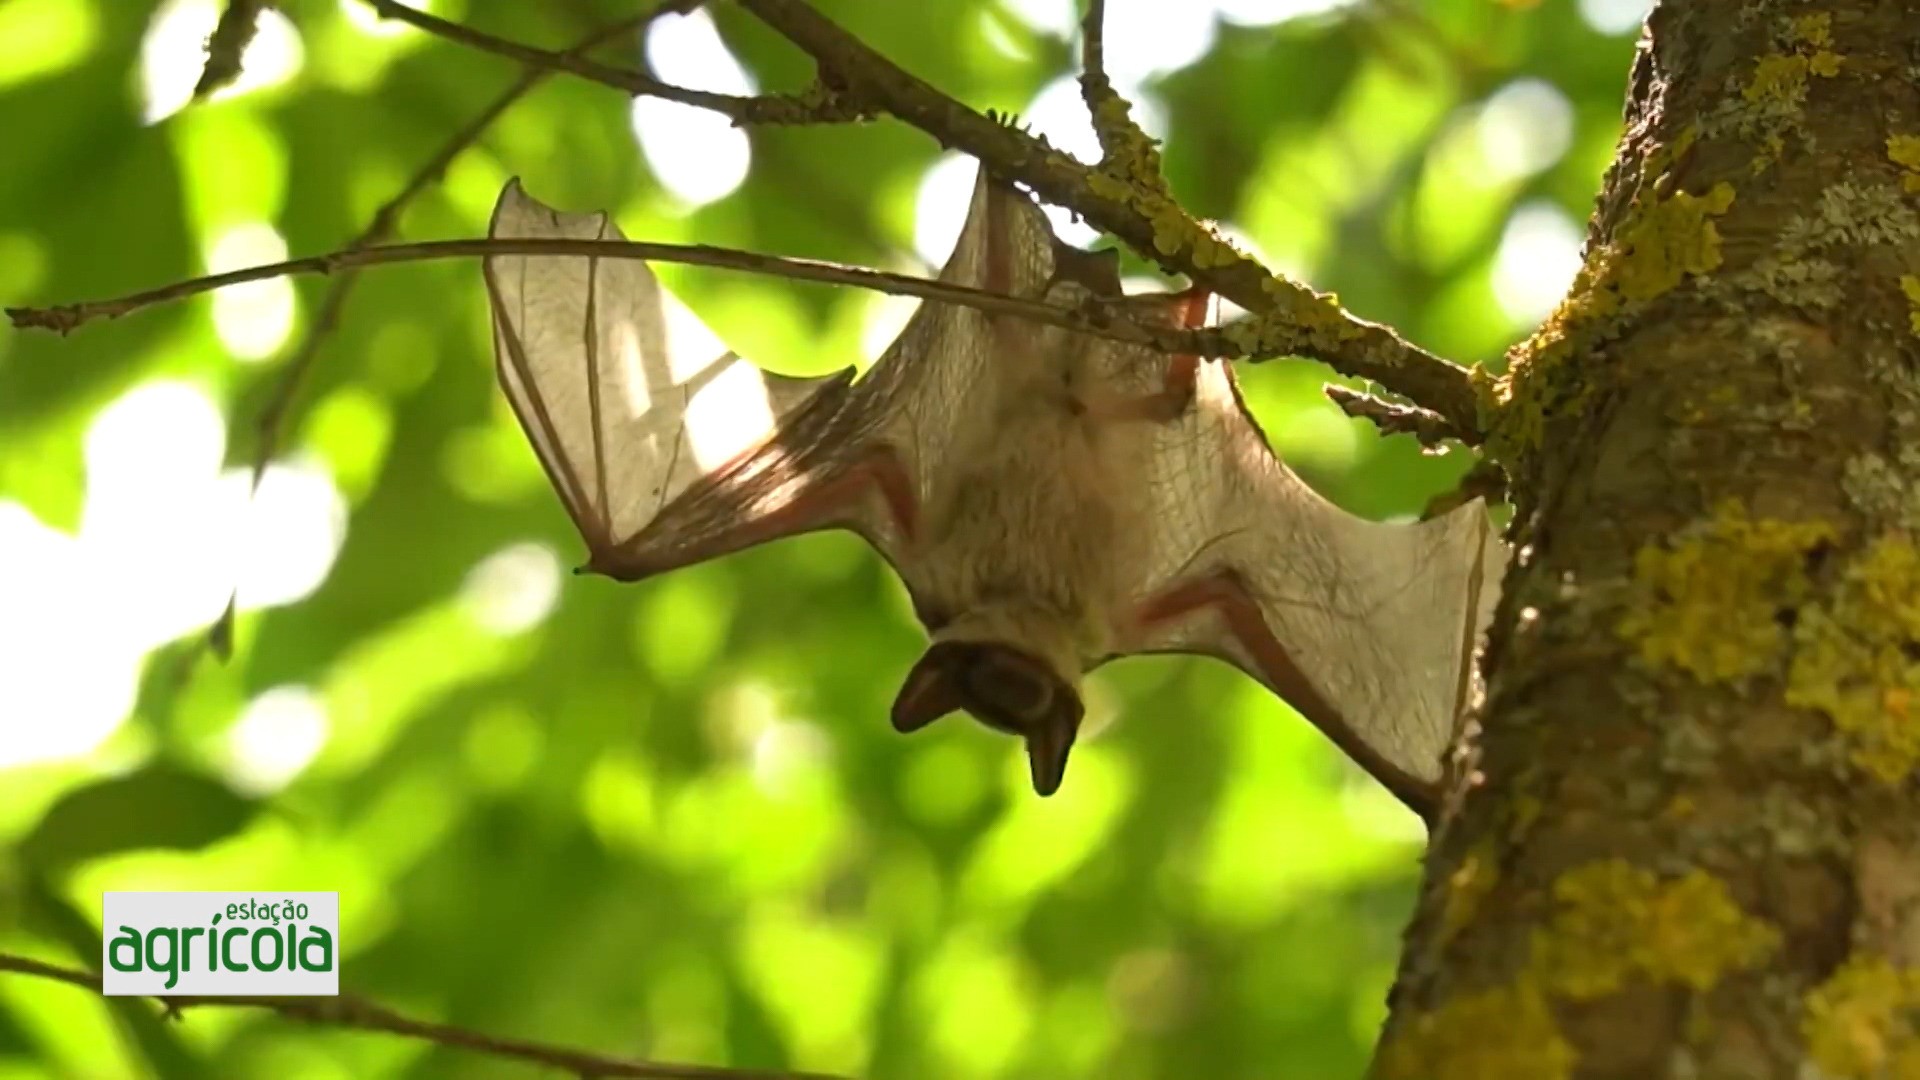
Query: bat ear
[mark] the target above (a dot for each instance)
(1096, 271)
(932, 690)
(1048, 743)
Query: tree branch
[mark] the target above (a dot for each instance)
(818, 106)
(1292, 319)
(1093, 47)
(1099, 320)
(349, 1012)
(239, 20)
(1112, 116)
(1125, 197)
(1394, 418)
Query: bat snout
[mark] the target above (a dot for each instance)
(1008, 690)
(1004, 688)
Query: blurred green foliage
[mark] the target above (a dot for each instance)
(670, 820)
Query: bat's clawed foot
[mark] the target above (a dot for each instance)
(1004, 688)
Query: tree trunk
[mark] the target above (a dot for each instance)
(1687, 843)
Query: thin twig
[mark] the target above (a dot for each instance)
(1093, 45)
(1103, 321)
(239, 20)
(821, 107)
(1297, 320)
(349, 1012)
(1113, 122)
(1392, 417)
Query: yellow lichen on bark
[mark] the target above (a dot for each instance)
(1775, 94)
(1295, 308)
(1130, 172)
(1493, 1034)
(1815, 29)
(1614, 922)
(1904, 151)
(1782, 77)
(1469, 883)
(1910, 285)
(1664, 240)
(1706, 601)
(1617, 922)
(1853, 660)
(1675, 237)
(1861, 1023)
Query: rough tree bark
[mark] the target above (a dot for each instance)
(1687, 843)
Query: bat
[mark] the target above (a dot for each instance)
(1051, 500)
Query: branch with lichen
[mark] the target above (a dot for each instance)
(1393, 418)
(1097, 321)
(1123, 196)
(1121, 199)
(350, 1012)
(1120, 138)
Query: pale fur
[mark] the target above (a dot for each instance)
(1034, 543)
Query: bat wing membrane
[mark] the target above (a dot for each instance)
(1368, 629)
(631, 404)
(668, 449)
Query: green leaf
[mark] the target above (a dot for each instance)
(161, 806)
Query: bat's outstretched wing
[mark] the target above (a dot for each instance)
(1368, 629)
(668, 449)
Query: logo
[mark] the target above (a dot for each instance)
(220, 943)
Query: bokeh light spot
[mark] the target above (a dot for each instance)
(513, 589)
(1524, 127)
(940, 208)
(1615, 16)
(165, 538)
(275, 737)
(1539, 256)
(697, 155)
(254, 319)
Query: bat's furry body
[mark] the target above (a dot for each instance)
(1028, 541)
(1051, 500)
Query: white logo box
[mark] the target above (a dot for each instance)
(266, 943)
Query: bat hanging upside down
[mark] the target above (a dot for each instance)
(1051, 500)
